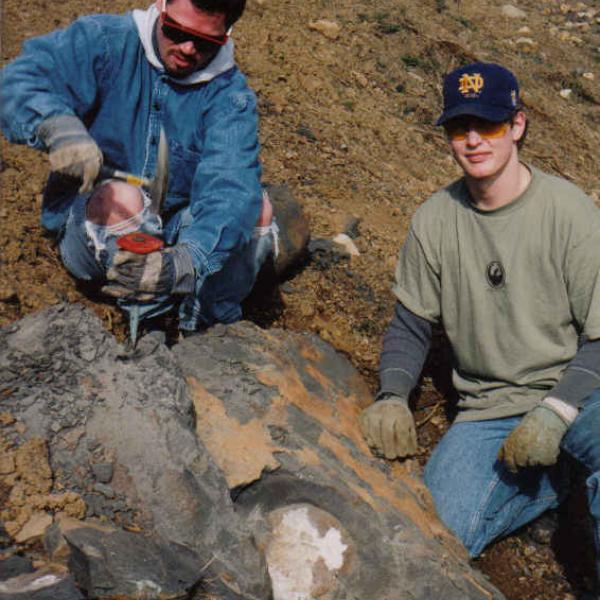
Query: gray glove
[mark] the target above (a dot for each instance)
(143, 276)
(389, 428)
(72, 151)
(536, 439)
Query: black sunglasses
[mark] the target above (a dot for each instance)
(179, 36)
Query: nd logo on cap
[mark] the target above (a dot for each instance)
(470, 85)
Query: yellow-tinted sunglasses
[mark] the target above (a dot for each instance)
(458, 129)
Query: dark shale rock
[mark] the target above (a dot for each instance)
(103, 472)
(117, 565)
(69, 382)
(13, 566)
(40, 585)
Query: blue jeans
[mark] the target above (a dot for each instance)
(87, 251)
(480, 500)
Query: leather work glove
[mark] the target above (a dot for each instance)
(389, 427)
(72, 151)
(143, 276)
(536, 440)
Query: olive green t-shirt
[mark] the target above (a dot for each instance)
(513, 288)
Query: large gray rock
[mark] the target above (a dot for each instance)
(242, 446)
(69, 382)
(278, 412)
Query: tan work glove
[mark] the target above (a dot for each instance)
(389, 428)
(72, 151)
(535, 441)
(143, 276)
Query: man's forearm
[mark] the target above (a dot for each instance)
(581, 377)
(405, 347)
(55, 74)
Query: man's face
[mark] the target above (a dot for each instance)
(181, 58)
(481, 148)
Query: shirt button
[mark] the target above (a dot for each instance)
(156, 105)
(153, 140)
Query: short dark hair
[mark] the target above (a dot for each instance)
(232, 9)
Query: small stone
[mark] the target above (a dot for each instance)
(360, 79)
(40, 585)
(104, 489)
(346, 242)
(13, 566)
(287, 288)
(588, 75)
(7, 463)
(351, 227)
(524, 30)
(54, 540)
(330, 29)
(543, 528)
(6, 419)
(565, 93)
(526, 43)
(34, 528)
(512, 12)
(103, 472)
(306, 132)
(7, 293)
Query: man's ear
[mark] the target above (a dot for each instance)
(519, 123)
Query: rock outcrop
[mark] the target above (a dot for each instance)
(235, 456)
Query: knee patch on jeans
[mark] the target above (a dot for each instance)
(266, 230)
(142, 221)
(99, 234)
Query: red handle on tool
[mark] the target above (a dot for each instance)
(140, 243)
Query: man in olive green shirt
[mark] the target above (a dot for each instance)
(507, 260)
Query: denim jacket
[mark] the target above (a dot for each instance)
(105, 70)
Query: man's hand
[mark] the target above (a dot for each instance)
(143, 276)
(72, 151)
(536, 440)
(389, 428)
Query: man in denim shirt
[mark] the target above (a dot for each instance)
(507, 260)
(99, 92)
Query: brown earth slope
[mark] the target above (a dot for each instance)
(346, 120)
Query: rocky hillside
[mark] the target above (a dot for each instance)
(348, 92)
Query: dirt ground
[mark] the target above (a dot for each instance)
(347, 116)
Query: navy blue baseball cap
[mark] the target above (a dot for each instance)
(484, 90)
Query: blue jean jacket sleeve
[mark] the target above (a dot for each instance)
(225, 198)
(56, 74)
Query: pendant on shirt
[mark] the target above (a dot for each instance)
(495, 274)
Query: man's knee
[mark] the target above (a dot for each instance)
(266, 212)
(450, 505)
(114, 202)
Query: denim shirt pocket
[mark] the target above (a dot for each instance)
(183, 163)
